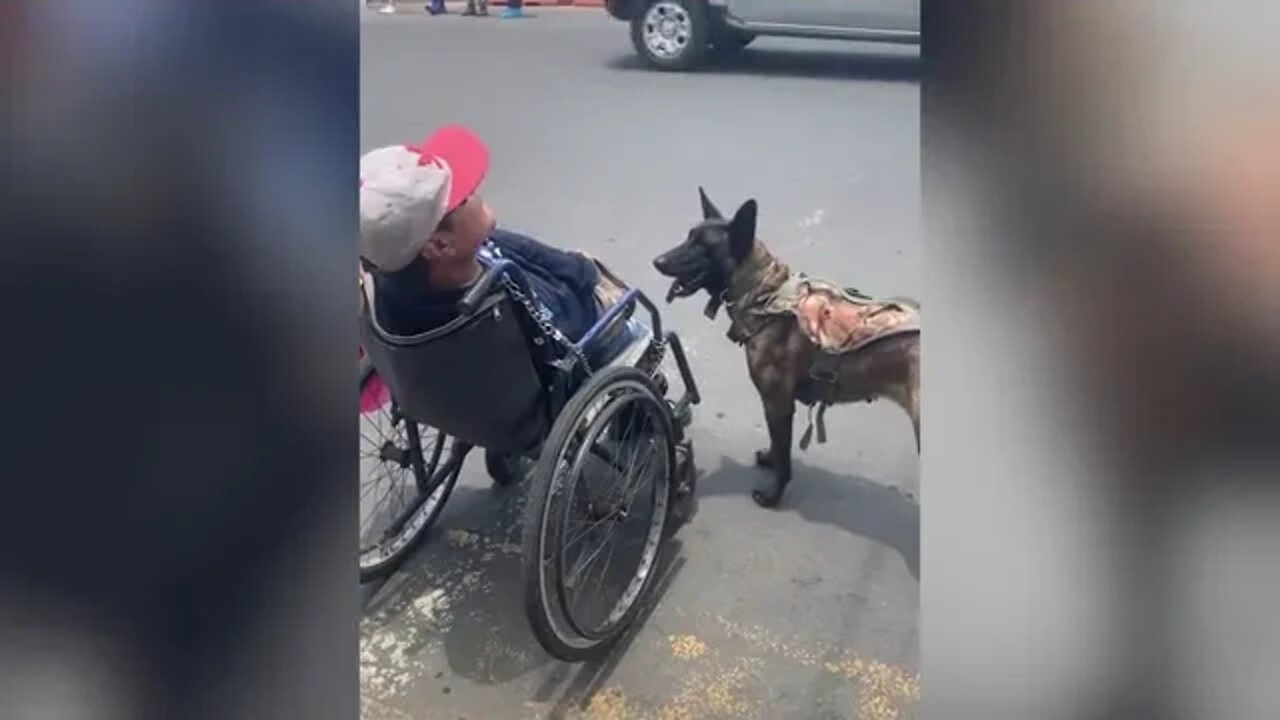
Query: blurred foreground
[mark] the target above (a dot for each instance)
(1102, 515)
(1102, 189)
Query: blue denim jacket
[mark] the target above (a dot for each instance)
(563, 285)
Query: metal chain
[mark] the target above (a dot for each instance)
(544, 324)
(660, 352)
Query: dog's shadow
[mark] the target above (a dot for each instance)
(851, 503)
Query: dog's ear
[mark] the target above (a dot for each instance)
(709, 209)
(742, 230)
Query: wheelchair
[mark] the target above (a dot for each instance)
(588, 424)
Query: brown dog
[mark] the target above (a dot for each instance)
(725, 258)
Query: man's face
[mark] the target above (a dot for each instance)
(462, 233)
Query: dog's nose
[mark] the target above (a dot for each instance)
(667, 263)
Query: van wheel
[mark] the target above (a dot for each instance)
(672, 34)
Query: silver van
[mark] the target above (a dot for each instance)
(682, 34)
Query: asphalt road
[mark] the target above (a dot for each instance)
(809, 611)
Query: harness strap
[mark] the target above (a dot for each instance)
(826, 367)
(739, 334)
(816, 419)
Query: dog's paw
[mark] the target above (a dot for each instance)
(767, 498)
(764, 459)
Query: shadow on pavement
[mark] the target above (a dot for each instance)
(476, 579)
(589, 677)
(851, 503)
(765, 61)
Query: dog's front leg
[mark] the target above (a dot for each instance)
(779, 414)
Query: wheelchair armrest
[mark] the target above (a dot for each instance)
(617, 314)
(480, 290)
(655, 319)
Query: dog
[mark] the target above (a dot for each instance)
(725, 259)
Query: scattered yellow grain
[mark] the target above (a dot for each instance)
(687, 647)
(608, 704)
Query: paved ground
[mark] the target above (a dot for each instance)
(805, 612)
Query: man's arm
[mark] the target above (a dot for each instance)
(537, 252)
(562, 263)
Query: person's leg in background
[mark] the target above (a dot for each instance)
(436, 7)
(514, 9)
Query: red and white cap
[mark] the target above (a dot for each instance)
(406, 190)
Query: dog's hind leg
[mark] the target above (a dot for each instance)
(913, 394)
(906, 393)
(907, 398)
(913, 409)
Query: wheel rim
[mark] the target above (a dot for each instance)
(667, 30)
(393, 510)
(612, 504)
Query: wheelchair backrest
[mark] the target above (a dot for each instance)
(474, 378)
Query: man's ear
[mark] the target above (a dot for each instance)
(742, 230)
(709, 210)
(435, 247)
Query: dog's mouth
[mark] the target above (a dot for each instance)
(682, 288)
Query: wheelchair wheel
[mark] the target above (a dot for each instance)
(407, 471)
(598, 509)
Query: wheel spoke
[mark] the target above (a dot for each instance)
(633, 488)
(384, 419)
(382, 435)
(383, 473)
(595, 524)
(581, 567)
(604, 573)
(370, 440)
(381, 500)
(584, 581)
(629, 477)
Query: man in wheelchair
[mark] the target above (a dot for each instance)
(428, 236)
(531, 353)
